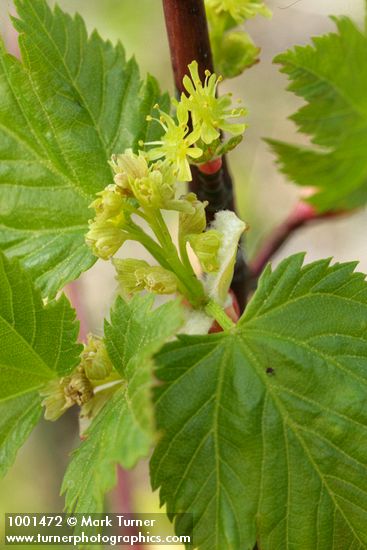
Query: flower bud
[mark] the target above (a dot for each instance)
(95, 360)
(167, 170)
(128, 166)
(237, 53)
(152, 191)
(109, 203)
(105, 238)
(126, 274)
(157, 279)
(206, 247)
(180, 205)
(193, 222)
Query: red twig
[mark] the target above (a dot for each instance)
(302, 214)
(188, 37)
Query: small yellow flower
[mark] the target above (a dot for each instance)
(239, 10)
(209, 113)
(177, 143)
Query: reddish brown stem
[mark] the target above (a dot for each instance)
(302, 214)
(188, 39)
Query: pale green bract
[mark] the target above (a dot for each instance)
(123, 431)
(72, 102)
(231, 228)
(331, 75)
(265, 426)
(38, 344)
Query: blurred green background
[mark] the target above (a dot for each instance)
(264, 198)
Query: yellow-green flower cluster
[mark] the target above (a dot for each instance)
(145, 183)
(147, 180)
(137, 185)
(78, 388)
(181, 145)
(151, 186)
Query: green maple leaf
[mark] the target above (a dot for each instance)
(70, 103)
(38, 343)
(265, 426)
(331, 75)
(123, 431)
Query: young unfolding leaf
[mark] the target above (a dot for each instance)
(37, 344)
(124, 430)
(70, 103)
(265, 426)
(331, 75)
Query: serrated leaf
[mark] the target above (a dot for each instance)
(265, 427)
(331, 75)
(123, 431)
(18, 417)
(72, 102)
(38, 343)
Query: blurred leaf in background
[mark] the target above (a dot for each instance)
(331, 75)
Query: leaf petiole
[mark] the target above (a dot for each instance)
(215, 310)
